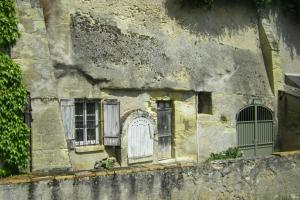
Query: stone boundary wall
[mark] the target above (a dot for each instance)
(260, 178)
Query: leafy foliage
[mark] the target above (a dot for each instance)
(8, 23)
(14, 134)
(230, 153)
(14, 138)
(108, 163)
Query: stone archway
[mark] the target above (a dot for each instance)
(138, 142)
(254, 124)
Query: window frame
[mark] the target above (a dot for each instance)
(85, 141)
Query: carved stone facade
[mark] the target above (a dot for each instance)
(139, 53)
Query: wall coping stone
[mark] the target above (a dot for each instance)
(214, 165)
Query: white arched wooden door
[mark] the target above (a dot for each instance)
(140, 140)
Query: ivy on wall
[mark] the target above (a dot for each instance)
(14, 134)
(8, 23)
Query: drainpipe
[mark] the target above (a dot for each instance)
(29, 124)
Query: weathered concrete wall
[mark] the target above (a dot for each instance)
(261, 178)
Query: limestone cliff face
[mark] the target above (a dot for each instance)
(158, 44)
(140, 52)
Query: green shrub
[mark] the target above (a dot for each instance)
(230, 153)
(108, 163)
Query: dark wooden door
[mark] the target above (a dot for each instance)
(164, 122)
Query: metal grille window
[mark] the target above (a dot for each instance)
(86, 122)
(255, 130)
(164, 111)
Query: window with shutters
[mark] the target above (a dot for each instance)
(82, 119)
(86, 122)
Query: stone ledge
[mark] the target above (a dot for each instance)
(85, 149)
(286, 153)
(88, 174)
(214, 165)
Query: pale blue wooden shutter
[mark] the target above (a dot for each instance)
(67, 115)
(111, 119)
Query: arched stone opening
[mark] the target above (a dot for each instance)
(255, 130)
(138, 142)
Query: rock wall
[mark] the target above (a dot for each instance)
(261, 178)
(141, 51)
(160, 45)
(286, 29)
(31, 52)
(289, 127)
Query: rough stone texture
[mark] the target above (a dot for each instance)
(261, 178)
(286, 29)
(49, 149)
(31, 51)
(152, 57)
(139, 52)
(289, 127)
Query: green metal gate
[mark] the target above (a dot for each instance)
(255, 130)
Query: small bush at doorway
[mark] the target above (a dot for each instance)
(230, 153)
(106, 163)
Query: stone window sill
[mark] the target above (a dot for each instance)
(92, 148)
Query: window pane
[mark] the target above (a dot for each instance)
(91, 134)
(248, 114)
(79, 124)
(164, 118)
(78, 108)
(91, 124)
(79, 135)
(91, 118)
(78, 118)
(90, 108)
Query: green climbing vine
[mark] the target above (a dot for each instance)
(8, 23)
(14, 134)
